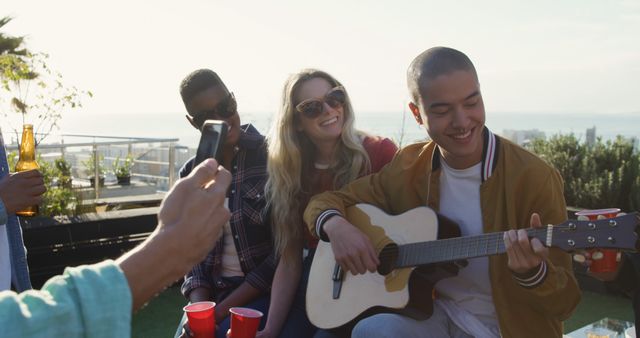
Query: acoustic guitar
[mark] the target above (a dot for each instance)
(409, 249)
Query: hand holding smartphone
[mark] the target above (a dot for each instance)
(214, 133)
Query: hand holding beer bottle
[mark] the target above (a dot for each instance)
(21, 190)
(27, 162)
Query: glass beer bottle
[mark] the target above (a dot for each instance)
(27, 161)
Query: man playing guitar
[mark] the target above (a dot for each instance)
(482, 182)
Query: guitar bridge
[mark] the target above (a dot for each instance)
(337, 275)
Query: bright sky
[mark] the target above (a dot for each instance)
(532, 56)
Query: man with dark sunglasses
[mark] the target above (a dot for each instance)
(239, 270)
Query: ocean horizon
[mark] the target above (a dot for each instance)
(398, 126)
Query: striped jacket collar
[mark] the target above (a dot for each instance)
(490, 148)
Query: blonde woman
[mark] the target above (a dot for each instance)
(313, 147)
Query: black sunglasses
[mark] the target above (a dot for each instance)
(312, 108)
(223, 110)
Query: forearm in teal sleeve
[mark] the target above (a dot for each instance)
(87, 301)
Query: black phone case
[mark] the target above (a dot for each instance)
(213, 135)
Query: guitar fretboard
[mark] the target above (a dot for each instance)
(452, 249)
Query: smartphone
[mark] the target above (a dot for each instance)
(213, 134)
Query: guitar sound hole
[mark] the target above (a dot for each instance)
(388, 257)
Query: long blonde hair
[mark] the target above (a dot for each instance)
(291, 153)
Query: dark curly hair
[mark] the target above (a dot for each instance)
(196, 82)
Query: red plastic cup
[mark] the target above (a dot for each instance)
(202, 321)
(244, 322)
(602, 260)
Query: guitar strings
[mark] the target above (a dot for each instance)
(491, 239)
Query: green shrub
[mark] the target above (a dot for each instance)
(59, 199)
(603, 175)
(64, 172)
(89, 165)
(123, 169)
(12, 160)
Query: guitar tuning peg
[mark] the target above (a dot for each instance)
(601, 217)
(583, 218)
(621, 214)
(579, 258)
(597, 255)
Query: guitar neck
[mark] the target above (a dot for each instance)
(452, 249)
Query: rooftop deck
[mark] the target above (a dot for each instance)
(161, 316)
(123, 216)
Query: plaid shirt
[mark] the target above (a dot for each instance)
(250, 226)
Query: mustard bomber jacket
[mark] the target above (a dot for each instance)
(515, 184)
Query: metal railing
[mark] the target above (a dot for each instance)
(156, 160)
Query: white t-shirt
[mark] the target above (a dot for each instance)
(5, 260)
(230, 261)
(470, 290)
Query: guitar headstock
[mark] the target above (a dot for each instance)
(612, 233)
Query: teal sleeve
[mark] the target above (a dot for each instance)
(86, 301)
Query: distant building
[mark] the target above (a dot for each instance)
(591, 136)
(523, 137)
